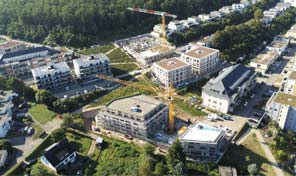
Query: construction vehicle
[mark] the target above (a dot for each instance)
(163, 16)
(167, 95)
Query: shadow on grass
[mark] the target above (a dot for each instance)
(240, 157)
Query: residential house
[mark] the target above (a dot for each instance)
(263, 61)
(88, 67)
(52, 77)
(202, 59)
(225, 92)
(57, 156)
(172, 72)
(10, 47)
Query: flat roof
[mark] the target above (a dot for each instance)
(171, 64)
(9, 44)
(58, 67)
(85, 61)
(285, 98)
(144, 103)
(265, 58)
(292, 75)
(199, 52)
(203, 133)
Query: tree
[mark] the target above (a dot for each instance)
(15, 84)
(258, 14)
(57, 135)
(252, 169)
(74, 121)
(145, 168)
(176, 155)
(180, 169)
(149, 149)
(38, 169)
(281, 155)
(44, 97)
(160, 169)
(2, 83)
(248, 158)
(5, 144)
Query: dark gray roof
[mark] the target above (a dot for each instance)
(59, 152)
(27, 51)
(229, 79)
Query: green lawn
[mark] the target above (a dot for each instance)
(118, 56)
(80, 142)
(118, 158)
(37, 131)
(120, 69)
(100, 49)
(41, 113)
(188, 108)
(236, 156)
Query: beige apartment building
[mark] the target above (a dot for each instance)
(172, 71)
(202, 59)
(139, 116)
(263, 61)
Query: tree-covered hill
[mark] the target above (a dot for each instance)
(80, 22)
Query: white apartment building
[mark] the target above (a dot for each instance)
(226, 10)
(10, 47)
(205, 17)
(6, 111)
(53, 76)
(204, 143)
(279, 44)
(176, 26)
(139, 116)
(291, 32)
(224, 93)
(194, 19)
(263, 61)
(202, 59)
(290, 84)
(89, 67)
(281, 107)
(172, 71)
(292, 2)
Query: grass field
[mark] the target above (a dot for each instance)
(237, 156)
(188, 108)
(118, 56)
(120, 69)
(41, 113)
(117, 158)
(38, 131)
(97, 50)
(80, 142)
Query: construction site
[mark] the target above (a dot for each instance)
(148, 48)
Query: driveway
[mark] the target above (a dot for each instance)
(25, 145)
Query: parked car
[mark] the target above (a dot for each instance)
(226, 117)
(246, 103)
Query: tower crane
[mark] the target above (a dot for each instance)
(167, 96)
(153, 12)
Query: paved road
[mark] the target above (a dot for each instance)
(268, 154)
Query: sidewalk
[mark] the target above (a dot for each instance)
(268, 153)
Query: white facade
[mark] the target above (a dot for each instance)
(293, 2)
(263, 61)
(205, 17)
(204, 143)
(281, 108)
(11, 58)
(89, 67)
(290, 85)
(172, 71)
(202, 59)
(53, 76)
(3, 157)
(279, 44)
(224, 93)
(139, 116)
(176, 26)
(10, 47)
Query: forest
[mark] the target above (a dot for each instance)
(84, 22)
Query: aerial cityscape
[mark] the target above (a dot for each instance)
(149, 88)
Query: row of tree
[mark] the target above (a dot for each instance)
(79, 22)
(244, 39)
(209, 28)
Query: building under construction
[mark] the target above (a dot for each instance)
(139, 116)
(146, 49)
